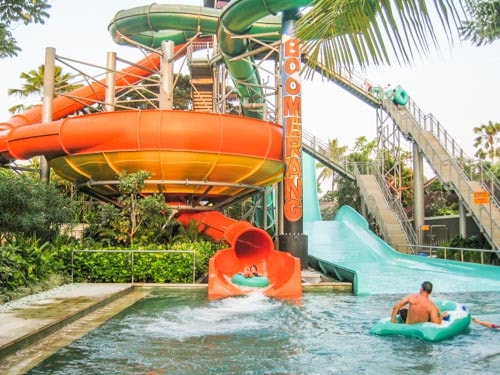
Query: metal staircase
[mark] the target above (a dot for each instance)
(448, 162)
(202, 78)
(390, 225)
(443, 154)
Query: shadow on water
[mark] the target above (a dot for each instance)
(180, 332)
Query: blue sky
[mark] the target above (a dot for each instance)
(460, 86)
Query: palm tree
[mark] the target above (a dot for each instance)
(484, 26)
(486, 141)
(363, 152)
(335, 152)
(32, 88)
(357, 32)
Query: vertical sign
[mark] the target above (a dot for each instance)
(292, 127)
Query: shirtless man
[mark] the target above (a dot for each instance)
(421, 308)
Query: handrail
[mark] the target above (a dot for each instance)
(322, 148)
(473, 169)
(463, 186)
(397, 207)
(448, 248)
(200, 51)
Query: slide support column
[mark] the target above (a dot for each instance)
(418, 191)
(462, 219)
(47, 104)
(167, 75)
(110, 82)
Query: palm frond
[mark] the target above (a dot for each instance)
(364, 32)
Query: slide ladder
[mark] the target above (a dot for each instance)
(443, 154)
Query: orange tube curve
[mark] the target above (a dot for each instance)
(248, 246)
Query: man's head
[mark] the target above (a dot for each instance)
(427, 287)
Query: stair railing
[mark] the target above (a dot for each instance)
(472, 169)
(322, 148)
(392, 201)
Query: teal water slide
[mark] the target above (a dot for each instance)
(346, 249)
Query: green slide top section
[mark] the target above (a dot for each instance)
(152, 24)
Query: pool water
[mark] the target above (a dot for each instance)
(181, 332)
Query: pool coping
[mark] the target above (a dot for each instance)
(37, 318)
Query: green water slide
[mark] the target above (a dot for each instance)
(346, 249)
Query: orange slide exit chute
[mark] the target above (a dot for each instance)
(248, 246)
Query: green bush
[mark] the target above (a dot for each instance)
(160, 266)
(24, 263)
(31, 208)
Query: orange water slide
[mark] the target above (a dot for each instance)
(192, 156)
(248, 246)
(85, 96)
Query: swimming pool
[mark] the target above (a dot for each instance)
(181, 332)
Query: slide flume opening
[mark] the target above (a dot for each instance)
(248, 246)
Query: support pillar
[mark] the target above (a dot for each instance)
(167, 75)
(462, 219)
(418, 191)
(109, 98)
(47, 104)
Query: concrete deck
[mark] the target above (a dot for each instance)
(34, 327)
(31, 319)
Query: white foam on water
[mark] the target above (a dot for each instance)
(220, 317)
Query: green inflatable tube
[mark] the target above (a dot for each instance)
(377, 91)
(254, 282)
(398, 95)
(458, 321)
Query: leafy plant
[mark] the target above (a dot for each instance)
(30, 207)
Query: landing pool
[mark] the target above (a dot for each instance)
(181, 332)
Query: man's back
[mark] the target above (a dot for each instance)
(420, 309)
